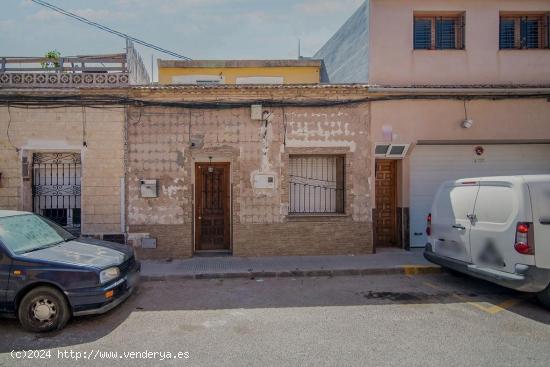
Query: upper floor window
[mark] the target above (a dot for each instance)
(524, 31)
(439, 31)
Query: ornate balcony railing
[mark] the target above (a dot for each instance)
(75, 71)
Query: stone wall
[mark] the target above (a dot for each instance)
(160, 147)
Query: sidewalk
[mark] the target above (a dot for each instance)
(385, 261)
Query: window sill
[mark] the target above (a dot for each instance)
(523, 49)
(312, 217)
(438, 50)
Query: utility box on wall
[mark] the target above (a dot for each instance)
(264, 181)
(149, 188)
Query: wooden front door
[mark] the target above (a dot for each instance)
(212, 211)
(385, 220)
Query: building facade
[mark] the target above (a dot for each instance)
(289, 177)
(62, 147)
(467, 86)
(303, 71)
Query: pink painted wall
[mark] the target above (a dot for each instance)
(413, 121)
(392, 59)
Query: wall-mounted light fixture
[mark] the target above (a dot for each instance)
(210, 168)
(466, 124)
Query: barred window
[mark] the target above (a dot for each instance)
(316, 185)
(433, 32)
(524, 31)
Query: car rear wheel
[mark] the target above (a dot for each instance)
(43, 309)
(544, 297)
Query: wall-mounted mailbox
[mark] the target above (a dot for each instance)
(264, 182)
(149, 243)
(149, 188)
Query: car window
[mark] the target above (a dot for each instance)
(455, 202)
(24, 233)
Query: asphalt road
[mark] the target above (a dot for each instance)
(425, 320)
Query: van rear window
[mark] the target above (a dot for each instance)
(495, 204)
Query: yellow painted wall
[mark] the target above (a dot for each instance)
(291, 75)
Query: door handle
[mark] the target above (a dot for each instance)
(459, 226)
(544, 220)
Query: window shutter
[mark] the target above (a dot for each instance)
(445, 31)
(507, 33)
(422, 34)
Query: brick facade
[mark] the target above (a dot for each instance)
(66, 130)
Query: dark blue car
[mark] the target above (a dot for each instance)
(47, 275)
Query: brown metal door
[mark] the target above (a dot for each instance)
(385, 220)
(212, 215)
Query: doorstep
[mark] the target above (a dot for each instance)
(384, 262)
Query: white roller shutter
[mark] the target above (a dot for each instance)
(432, 165)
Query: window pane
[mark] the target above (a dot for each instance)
(422, 34)
(507, 33)
(381, 149)
(445, 34)
(531, 35)
(316, 184)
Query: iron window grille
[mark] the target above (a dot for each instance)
(439, 32)
(524, 31)
(316, 185)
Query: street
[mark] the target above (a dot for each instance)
(423, 320)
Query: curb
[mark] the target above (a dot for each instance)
(397, 270)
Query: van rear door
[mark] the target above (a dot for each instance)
(498, 210)
(450, 227)
(540, 202)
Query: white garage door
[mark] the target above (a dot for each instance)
(431, 165)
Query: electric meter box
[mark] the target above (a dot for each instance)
(264, 181)
(149, 188)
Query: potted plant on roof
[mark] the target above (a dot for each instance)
(53, 60)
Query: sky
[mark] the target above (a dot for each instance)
(199, 29)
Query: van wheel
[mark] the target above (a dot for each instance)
(43, 309)
(544, 297)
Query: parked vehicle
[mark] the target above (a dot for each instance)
(47, 275)
(494, 228)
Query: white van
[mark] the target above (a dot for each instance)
(494, 228)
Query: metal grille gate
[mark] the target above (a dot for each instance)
(56, 188)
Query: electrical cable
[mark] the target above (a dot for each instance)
(110, 101)
(8, 130)
(107, 29)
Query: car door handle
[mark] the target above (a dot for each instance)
(459, 226)
(544, 220)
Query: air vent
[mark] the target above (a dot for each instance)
(391, 151)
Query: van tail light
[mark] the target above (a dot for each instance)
(429, 225)
(524, 239)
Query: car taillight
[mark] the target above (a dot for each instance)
(524, 242)
(429, 225)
